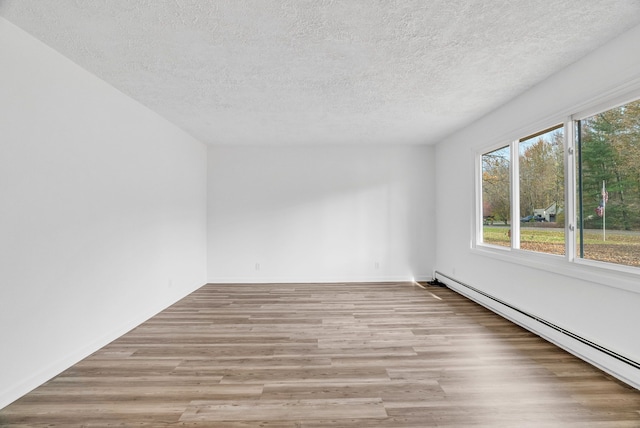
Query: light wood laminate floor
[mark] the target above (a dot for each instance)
(312, 355)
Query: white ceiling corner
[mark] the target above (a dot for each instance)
(322, 71)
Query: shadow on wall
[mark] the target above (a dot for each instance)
(332, 212)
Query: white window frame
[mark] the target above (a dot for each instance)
(615, 275)
(595, 109)
(479, 214)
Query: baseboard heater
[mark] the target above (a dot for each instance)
(581, 339)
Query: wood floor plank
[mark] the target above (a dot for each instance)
(297, 410)
(316, 355)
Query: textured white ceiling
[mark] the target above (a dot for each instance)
(322, 71)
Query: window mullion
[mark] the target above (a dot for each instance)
(570, 189)
(515, 195)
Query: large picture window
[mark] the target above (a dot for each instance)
(588, 213)
(609, 185)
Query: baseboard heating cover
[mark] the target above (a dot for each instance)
(620, 366)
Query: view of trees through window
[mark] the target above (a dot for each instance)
(542, 216)
(496, 198)
(606, 191)
(606, 151)
(608, 194)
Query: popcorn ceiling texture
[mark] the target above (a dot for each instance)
(322, 71)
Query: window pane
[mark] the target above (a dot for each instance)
(542, 216)
(496, 198)
(609, 186)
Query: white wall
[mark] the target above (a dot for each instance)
(601, 307)
(102, 213)
(320, 214)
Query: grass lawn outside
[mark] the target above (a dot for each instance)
(620, 247)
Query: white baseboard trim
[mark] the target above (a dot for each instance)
(13, 392)
(317, 280)
(623, 371)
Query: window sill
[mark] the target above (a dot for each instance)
(611, 275)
